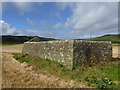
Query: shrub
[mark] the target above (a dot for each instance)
(102, 83)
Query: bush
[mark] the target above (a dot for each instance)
(104, 82)
(101, 83)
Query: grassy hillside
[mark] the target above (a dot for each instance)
(114, 38)
(8, 39)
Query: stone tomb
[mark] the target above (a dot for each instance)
(70, 52)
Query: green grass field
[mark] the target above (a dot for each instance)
(92, 75)
(114, 38)
(11, 40)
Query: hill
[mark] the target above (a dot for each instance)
(8, 39)
(114, 38)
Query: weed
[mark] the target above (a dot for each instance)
(102, 83)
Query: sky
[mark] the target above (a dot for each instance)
(60, 20)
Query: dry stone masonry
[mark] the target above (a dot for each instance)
(70, 52)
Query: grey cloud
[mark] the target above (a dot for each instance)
(96, 18)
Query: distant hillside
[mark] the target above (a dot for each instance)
(114, 38)
(8, 39)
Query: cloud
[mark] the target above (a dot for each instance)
(58, 25)
(61, 6)
(89, 15)
(21, 7)
(31, 22)
(91, 18)
(28, 32)
(61, 1)
(85, 18)
(7, 29)
(0, 10)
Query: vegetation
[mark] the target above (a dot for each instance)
(101, 83)
(114, 38)
(116, 44)
(102, 75)
(10, 40)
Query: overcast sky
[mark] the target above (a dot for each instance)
(60, 20)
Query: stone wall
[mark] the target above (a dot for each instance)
(60, 51)
(91, 51)
(70, 52)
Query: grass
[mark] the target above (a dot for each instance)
(114, 38)
(80, 73)
(9, 44)
(116, 44)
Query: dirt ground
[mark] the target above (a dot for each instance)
(17, 75)
(22, 75)
(12, 48)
